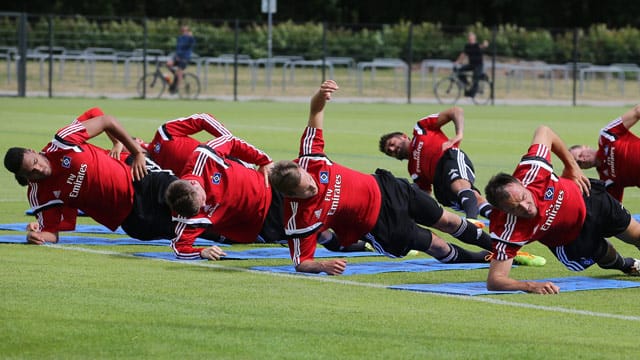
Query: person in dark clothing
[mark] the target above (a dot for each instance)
(474, 53)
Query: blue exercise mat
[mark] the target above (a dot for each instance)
(576, 283)
(265, 253)
(169, 256)
(82, 228)
(283, 253)
(30, 212)
(89, 240)
(416, 265)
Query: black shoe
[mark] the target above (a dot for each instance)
(172, 89)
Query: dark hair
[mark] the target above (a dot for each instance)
(384, 138)
(495, 190)
(13, 162)
(181, 197)
(284, 176)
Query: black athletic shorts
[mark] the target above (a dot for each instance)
(273, 227)
(453, 165)
(179, 62)
(606, 217)
(403, 207)
(150, 217)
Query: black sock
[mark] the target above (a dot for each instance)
(468, 203)
(618, 263)
(485, 209)
(471, 234)
(459, 255)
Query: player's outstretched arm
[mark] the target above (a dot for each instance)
(499, 280)
(456, 115)
(544, 135)
(631, 117)
(107, 123)
(318, 101)
(37, 237)
(331, 267)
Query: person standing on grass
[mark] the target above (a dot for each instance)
(70, 174)
(571, 215)
(617, 158)
(381, 209)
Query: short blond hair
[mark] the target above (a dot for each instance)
(284, 176)
(181, 196)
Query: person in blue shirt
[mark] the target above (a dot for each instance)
(184, 48)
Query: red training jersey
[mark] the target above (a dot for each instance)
(172, 146)
(347, 201)
(561, 208)
(426, 150)
(237, 201)
(83, 176)
(618, 154)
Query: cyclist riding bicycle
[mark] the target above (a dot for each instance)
(474, 54)
(184, 48)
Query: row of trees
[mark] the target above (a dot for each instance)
(530, 13)
(597, 44)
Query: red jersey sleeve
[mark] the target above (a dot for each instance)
(89, 114)
(182, 244)
(69, 216)
(229, 145)
(194, 124)
(302, 227)
(426, 123)
(302, 249)
(312, 142)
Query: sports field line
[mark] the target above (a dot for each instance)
(338, 280)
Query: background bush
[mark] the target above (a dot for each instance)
(597, 44)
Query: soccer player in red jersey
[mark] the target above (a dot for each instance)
(172, 144)
(616, 159)
(225, 197)
(71, 174)
(435, 162)
(570, 214)
(381, 209)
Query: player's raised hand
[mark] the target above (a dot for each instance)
(576, 174)
(327, 88)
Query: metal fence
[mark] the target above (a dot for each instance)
(38, 59)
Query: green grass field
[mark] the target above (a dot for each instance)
(90, 302)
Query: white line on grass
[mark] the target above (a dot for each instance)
(347, 282)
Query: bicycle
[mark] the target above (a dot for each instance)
(156, 82)
(449, 88)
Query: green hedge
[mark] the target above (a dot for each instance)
(597, 44)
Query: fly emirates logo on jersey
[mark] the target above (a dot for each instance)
(611, 161)
(333, 195)
(552, 211)
(416, 155)
(76, 180)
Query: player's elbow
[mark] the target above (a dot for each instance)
(494, 284)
